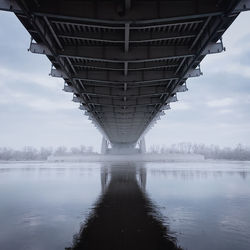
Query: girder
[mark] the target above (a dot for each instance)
(124, 61)
(141, 11)
(106, 38)
(116, 78)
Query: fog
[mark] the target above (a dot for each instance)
(154, 153)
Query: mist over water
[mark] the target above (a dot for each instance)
(194, 205)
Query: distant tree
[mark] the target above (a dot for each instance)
(29, 153)
(61, 151)
(75, 151)
(83, 149)
(90, 150)
(45, 153)
(210, 152)
(6, 154)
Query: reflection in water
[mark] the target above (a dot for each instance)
(123, 218)
(207, 205)
(196, 174)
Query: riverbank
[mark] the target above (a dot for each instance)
(128, 158)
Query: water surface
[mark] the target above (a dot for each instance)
(199, 205)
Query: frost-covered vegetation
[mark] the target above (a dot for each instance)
(239, 152)
(33, 154)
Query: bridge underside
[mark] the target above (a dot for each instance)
(125, 60)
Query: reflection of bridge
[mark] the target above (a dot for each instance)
(125, 60)
(124, 217)
(140, 173)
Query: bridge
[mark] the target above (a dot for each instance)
(125, 60)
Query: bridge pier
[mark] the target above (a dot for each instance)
(104, 178)
(123, 149)
(142, 146)
(143, 178)
(104, 147)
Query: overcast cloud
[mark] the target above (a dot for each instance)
(35, 111)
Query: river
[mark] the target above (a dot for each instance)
(173, 205)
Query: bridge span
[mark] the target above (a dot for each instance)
(125, 61)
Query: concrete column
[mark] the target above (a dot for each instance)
(143, 178)
(104, 178)
(142, 145)
(104, 148)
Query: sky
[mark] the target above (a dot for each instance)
(34, 111)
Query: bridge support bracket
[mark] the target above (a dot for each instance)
(58, 73)
(172, 99)
(243, 5)
(181, 88)
(38, 48)
(76, 99)
(193, 73)
(68, 88)
(213, 48)
(165, 107)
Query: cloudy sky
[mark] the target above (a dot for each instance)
(35, 111)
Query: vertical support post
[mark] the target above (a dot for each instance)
(142, 145)
(125, 68)
(104, 147)
(143, 178)
(126, 40)
(127, 5)
(104, 178)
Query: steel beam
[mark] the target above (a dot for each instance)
(119, 96)
(133, 83)
(113, 54)
(125, 69)
(143, 12)
(133, 77)
(126, 39)
(146, 37)
(10, 5)
(243, 5)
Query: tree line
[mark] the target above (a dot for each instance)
(33, 154)
(239, 152)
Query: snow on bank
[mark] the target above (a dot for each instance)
(128, 158)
